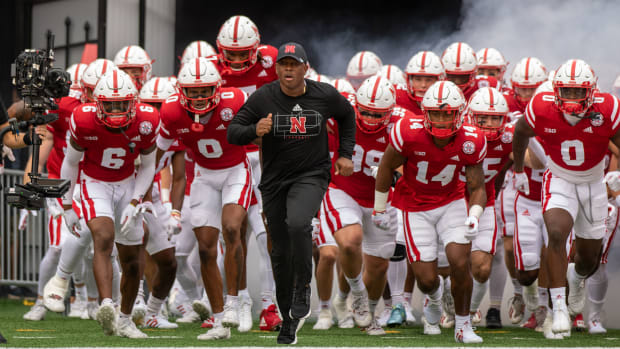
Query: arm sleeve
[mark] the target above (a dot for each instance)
(145, 175)
(344, 114)
(70, 170)
(242, 128)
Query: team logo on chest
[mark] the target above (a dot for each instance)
(507, 137)
(227, 114)
(267, 62)
(145, 128)
(469, 147)
(596, 119)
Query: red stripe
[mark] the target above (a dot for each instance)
(458, 55)
(326, 213)
(359, 67)
(115, 81)
(409, 238)
(127, 54)
(491, 101)
(104, 68)
(547, 187)
(199, 55)
(321, 239)
(50, 230)
(374, 90)
(572, 70)
(389, 71)
(236, 29)
(244, 198)
(58, 231)
(501, 213)
(423, 62)
(90, 213)
(484, 58)
(493, 242)
(197, 69)
(156, 87)
(440, 93)
(527, 69)
(333, 211)
(77, 70)
(515, 239)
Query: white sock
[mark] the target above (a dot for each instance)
(233, 299)
(141, 290)
(80, 292)
(497, 280)
(518, 289)
(153, 306)
(396, 276)
(407, 296)
(558, 293)
(447, 283)
(187, 278)
(543, 297)
(478, 292)
(597, 285)
(372, 305)
(47, 267)
(267, 283)
(266, 299)
(342, 295)
(436, 295)
(460, 320)
(356, 283)
(244, 293)
(107, 301)
(116, 281)
(325, 304)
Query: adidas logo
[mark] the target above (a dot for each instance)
(526, 213)
(498, 148)
(263, 73)
(588, 129)
(221, 127)
(381, 140)
(455, 158)
(262, 322)
(297, 108)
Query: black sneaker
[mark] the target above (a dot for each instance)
(288, 332)
(493, 318)
(300, 307)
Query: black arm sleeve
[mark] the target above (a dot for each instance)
(242, 128)
(344, 114)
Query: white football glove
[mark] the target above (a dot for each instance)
(72, 221)
(23, 219)
(54, 208)
(471, 226)
(168, 206)
(6, 151)
(381, 220)
(132, 215)
(521, 183)
(613, 180)
(173, 226)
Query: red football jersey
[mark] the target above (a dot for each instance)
(60, 132)
(430, 174)
(480, 81)
(107, 156)
(515, 108)
(189, 171)
(576, 153)
(404, 99)
(367, 152)
(210, 148)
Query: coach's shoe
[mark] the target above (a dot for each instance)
(397, 316)
(36, 313)
(325, 320)
(361, 310)
(430, 329)
(493, 318)
(139, 311)
(343, 313)
(54, 294)
(466, 334)
(245, 314)
(409, 318)
(106, 316)
(202, 308)
(300, 306)
(516, 309)
(546, 327)
(595, 326)
(269, 319)
(561, 319)
(156, 321)
(230, 318)
(374, 329)
(576, 291)
(288, 334)
(578, 324)
(127, 328)
(217, 332)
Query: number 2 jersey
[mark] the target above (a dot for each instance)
(431, 174)
(108, 155)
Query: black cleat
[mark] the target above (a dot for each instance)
(493, 318)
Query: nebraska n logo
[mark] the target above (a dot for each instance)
(298, 124)
(289, 49)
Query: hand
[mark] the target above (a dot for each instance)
(471, 224)
(381, 220)
(374, 170)
(173, 226)
(612, 178)
(521, 183)
(72, 221)
(316, 227)
(264, 126)
(128, 219)
(611, 210)
(54, 208)
(343, 167)
(23, 219)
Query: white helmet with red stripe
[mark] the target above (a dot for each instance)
(199, 85)
(459, 61)
(394, 74)
(75, 73)
(198, 48)
(573, 85)
(156, 90)
(343, 85)
(311, 74)
(423, 63)
(115, 95)
(491, 62)
(443, 96)
(362, 65)
(487, 109)
(238, 42)
(375, 100)
(527, 75)
(131, 57)
(91, 75)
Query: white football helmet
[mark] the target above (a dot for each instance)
(551, 75)
(487, 109)
(199, 73)
(527, 75)
(343, 85)
(238, 35)
(134, 56)
(423, 63)
(573, 85)
(116, 96)
(375, 100)
(321, 78)
(394, 74)
(460, 59)
(546, 86)
(197, 49)
(448, 97)
(91, 75)
(491, 59)
(75, 72)
(156, 91)
(311, 74)
(362, 65)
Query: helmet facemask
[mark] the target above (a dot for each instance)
(371, 120)
(492, 125)
(443, 121)
(200, 99)
(116, 112)
(574, 100)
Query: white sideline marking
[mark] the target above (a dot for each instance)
(387, 347)
(33, 337)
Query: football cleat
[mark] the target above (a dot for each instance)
(54, 294)
(36, 313)
(245, 314)
(516, 309)
(325, 320)
(127, 328)
(156, 321)
(466, 334)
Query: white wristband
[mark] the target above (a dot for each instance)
(165, 195)
(476, 211)
(381, 200)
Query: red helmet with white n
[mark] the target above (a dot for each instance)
(199, 85)
(443, 96)
(394, 74)
(459, 61)
(488, 109)
(423, 64)
(156, 91)
(197, 49)
(91, 75)
(362, 65)
(75, 73)
(343, 85)
(134, 61)
(375, 101)
(491, 62)
(115, 95)
(573, 85)
(238, 42)
(527, 75)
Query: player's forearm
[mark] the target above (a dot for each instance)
(177, 190)
(478, 196)
(520, 142)
(145, 175)
(69, 170)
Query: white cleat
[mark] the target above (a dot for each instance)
(530, 296)
(343, 313)
(217, 332)
(230, 318)
(127, 328)
(561, 320)
(202, 308)
(245, 314)
(189, 317)
(596, 327)
(476, 317)
(410, 319)
(138, 313)
(384, 316)
(430, 329)
(325, 320)
(36, 313)
(78, 309)
(106, 316)
(576, 291)
(54, 294)
(516, 309)
(91, 311)
(546, 328)
(374, 329)
(432, 311)
(361, 310)
(466, 334)
(156, 321)
(446, 321)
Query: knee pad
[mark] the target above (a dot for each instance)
(400, 252)
(530, 260)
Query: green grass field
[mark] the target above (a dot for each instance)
(60, 331)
